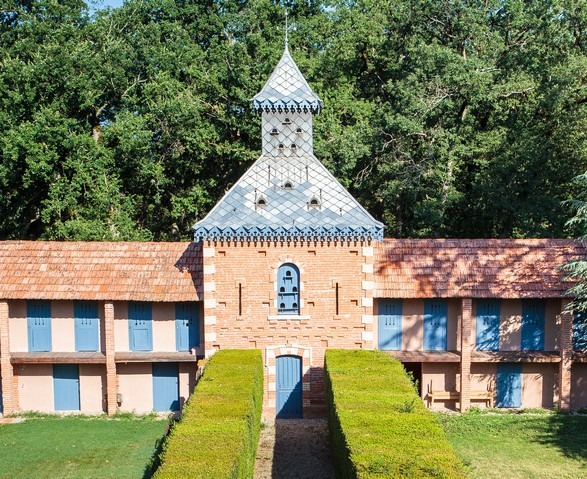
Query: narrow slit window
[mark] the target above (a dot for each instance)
(240, 299)
(336, 294)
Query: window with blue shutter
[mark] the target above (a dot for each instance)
(86, 325)
(288, 289)
(187, 326)
(390, 324)
(580, 330)
(39, 325)
(435, 324)
(140, 326)
(533, 324)
(487, 325)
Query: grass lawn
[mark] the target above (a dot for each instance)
(530, 445)
(79, 447)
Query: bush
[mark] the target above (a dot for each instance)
(219, 429)
(379, 427)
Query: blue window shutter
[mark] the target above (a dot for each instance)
(165, 387)
(66, 387)
(435, 324)
(390, 324)
(288, 289)
(580, 330)
(86, 325)
(187, 326)
(39, 325)
(488, 318)
(1, 405)
(140, 326)
(509, 385)
(533, 324)
(288, 402)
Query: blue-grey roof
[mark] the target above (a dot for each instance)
(302, 201)
(287, 90)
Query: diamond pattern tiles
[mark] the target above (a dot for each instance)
(288, 198)
(287, 90)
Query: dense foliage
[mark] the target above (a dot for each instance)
(443, 118)
(379, 427)
(219, 429)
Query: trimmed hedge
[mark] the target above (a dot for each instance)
(219, 429)
(379, 427)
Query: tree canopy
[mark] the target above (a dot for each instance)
(443, 118)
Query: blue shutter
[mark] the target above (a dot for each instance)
(435, 324)
(66, 387)
(140, 327)
(187, 326)
(86, 325)
(288, 403)
(509, 385)
(1, 405)
(39, 325)
(488, 312)
(580, 330)
(165, 387)
(390, 324)
(533, 325)
(288, 289)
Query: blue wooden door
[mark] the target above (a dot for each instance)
(509, 385)
(390, 324)
(435, 323)
(66, 387)
(187, 326)
(289, 387)
(533, 324)
(487, 337)
(39, 325)
(140, 329)
(165, 387)
(86, 325)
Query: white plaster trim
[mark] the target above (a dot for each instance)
(367, 335)
(367, 268)
(208, 252)
(367, 302)
(367, 318)
(367, 251)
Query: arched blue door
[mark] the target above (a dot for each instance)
(288, 403)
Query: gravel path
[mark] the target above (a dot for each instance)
(294, 449)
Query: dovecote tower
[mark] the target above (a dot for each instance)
(287, 194)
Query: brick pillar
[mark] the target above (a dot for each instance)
(367, 286)
(209, 280)
(8, 403)
(465, 396)
(111, 376)
(566, 349)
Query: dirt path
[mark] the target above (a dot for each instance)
(294, 449)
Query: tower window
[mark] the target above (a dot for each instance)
(293, 147)
(299, 131)
(281, 147)
(287, 121)
(288, 281)
(288, 185)
(261, 202)
(314, 202)
(274, 132)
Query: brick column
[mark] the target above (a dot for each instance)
(465, 396)
(5, 365)
(367, 286)
(111, 376)
(566, 349)
(209, 280)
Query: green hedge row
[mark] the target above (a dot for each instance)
(379, 427)
(219, 429)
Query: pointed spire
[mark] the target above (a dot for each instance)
(287, 89)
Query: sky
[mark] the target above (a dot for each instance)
(112, 3)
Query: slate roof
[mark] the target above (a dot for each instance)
(287, 90)
(288, 213)
(100, 271)
(436, 268)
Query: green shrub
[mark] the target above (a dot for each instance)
(219, 429)
(379, 427)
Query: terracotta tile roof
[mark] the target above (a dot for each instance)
(100, 271)
(429, 268)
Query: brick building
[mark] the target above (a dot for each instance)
(290, 263)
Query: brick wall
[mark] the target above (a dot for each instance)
(241, 277)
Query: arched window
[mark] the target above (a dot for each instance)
(288, 287)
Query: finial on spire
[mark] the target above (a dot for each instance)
(286, 30)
